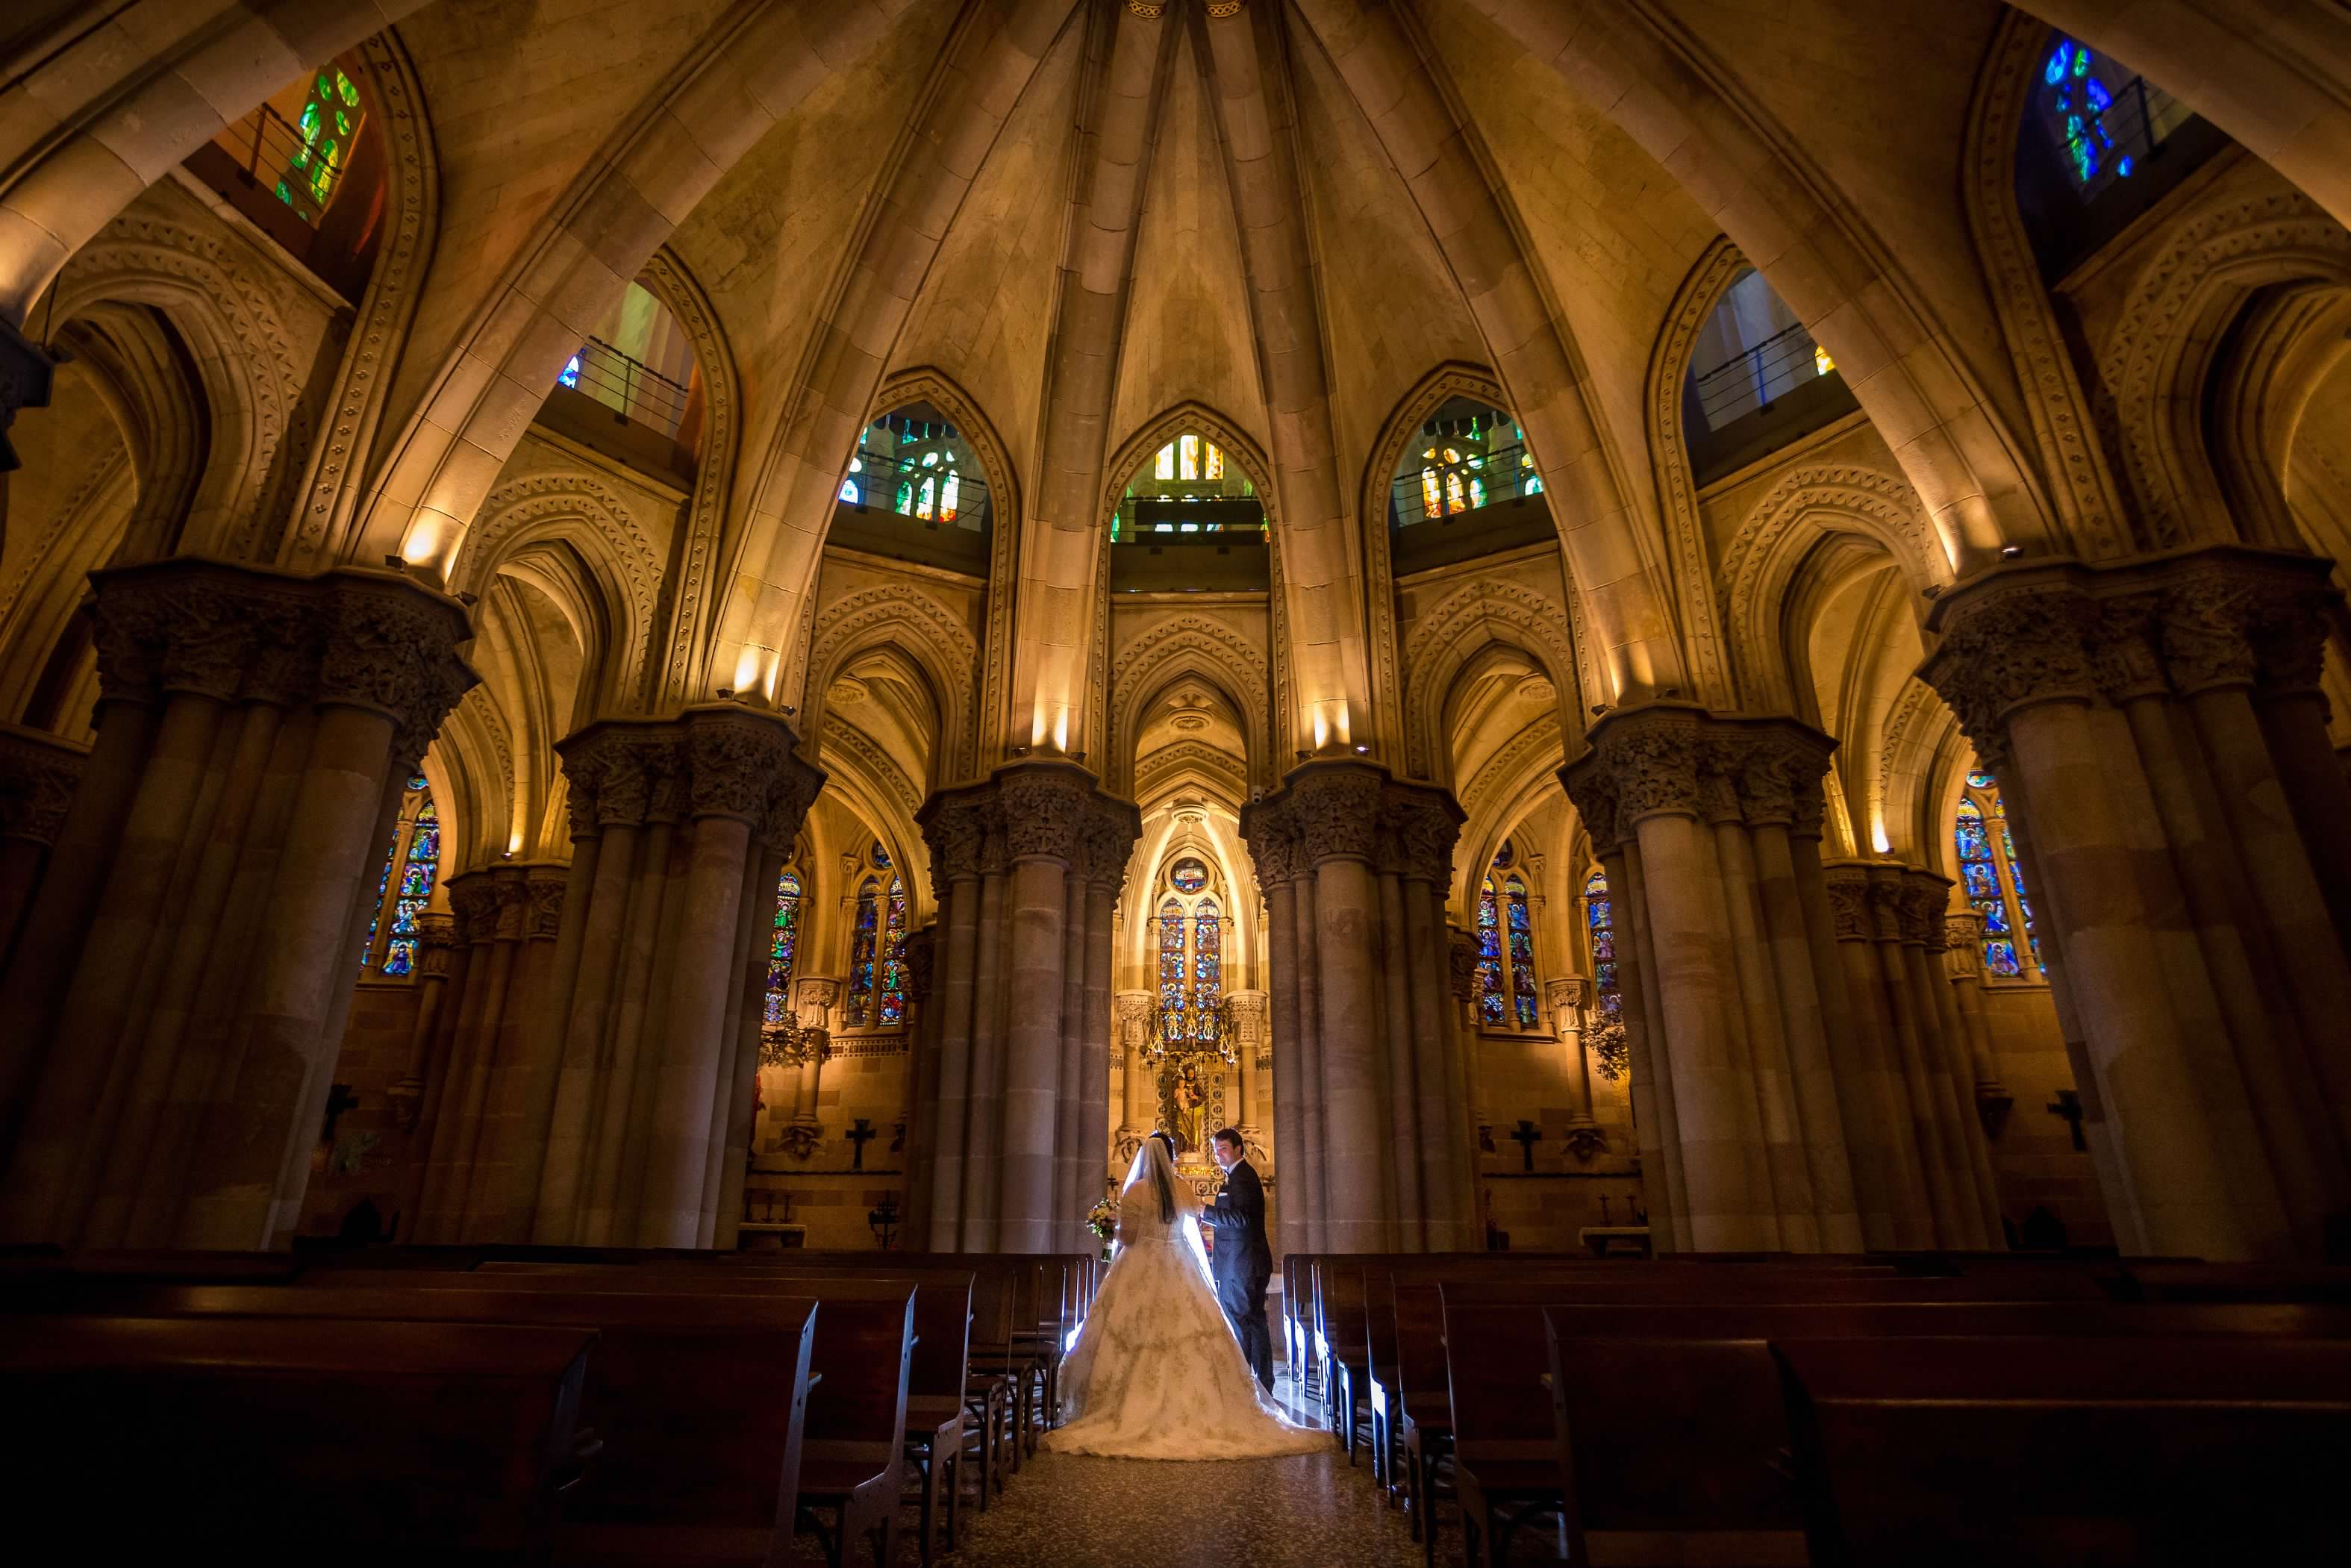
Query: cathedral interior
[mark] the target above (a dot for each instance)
(1673, 626)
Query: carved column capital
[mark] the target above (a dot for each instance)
(546, 887)
(1882, 896)
(1336, 806)
(922, 962)
(713, 760)
(436, 939)
(1848, 889)
(1569, 994)
(1133, 1010)
(38, 775)
(1044, 806)
(1249, 1014)
(1110, 829)
(1425, 824)
(474, 903)
(1925, 897)
(1963, 932)
(816, 995)
(1272, 839)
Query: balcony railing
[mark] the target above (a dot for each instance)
(954, 497)
(1449, 489)
(628, 387)
(274, 155)
(1762, 375)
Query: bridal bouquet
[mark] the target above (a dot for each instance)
(1103, 1220)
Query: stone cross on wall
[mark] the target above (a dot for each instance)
(2067, 1107)
(1527, 1137)
(860, 1134)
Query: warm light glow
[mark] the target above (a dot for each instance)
(424, 541)
(1877, 838)
(747, 670)
(513, 844)
(1822, 363)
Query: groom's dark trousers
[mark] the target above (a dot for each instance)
(1244, 1264)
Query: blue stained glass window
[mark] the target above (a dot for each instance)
(569, 375)
(415, 856)
(1599, 920)
(783, 944)
(1188, 876)
(1982, 871)
(1207, 967)
(1491, 1003)
(864, 940)
(1522, 955)
(1979, 780)
(2016, 880)
(850, 492)
(1172, 981)
(881, 856)
(1504, 856)
(894, 956)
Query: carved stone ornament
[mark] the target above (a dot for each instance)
(547, 887)
(473, 899)
(1044, 811)
(1248, 1018)
(1848, 891)
(1272, 840)
(716, 760)
(1963, 958)
(38, 774)
(1112, 828)
(1427, 824)
(922, 961)
(1461, 964)
(1925, 896)
(1134, 1019)
(1336, 810)
(437, 939)
(1884, 900)
(378, 640)
(953, 828)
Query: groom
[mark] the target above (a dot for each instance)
(1243, 1262)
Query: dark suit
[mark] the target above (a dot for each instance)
(1243, 1264)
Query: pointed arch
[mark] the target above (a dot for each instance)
(1187, 648)
(902, 616)
(579, 508)
(687, 638)
(1717, 268)
(1481, 612)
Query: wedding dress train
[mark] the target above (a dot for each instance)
(1156, 1372)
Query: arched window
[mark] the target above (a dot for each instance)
(1207, 966)
(1466, 455)
(1191, 954)
(1994, 882)
(877, 956)
(1187, 486)
(1600, 919)
(1175, 992)
(414, 860)
(2104, 117)
(1507, 988)
(919, 465)
(784, 945)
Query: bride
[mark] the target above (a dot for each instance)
(1156, 1372)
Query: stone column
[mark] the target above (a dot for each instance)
(1110, 840)
(1350, 859)
(1021, 1049)
(1249, 1045)
(1139, 1105)
(1933, 895)
(180, 978)
(923, 1085)
(1461, 1026)
(954, 839)
(814, 998)
(1884, 1136)
(2151, 724)
(1963, 964)
(38, 773)
(695, 815)
(1697, 817)
(1568, 997)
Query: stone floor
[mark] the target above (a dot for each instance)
(1069, 1512)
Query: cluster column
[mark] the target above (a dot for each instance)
(1028, 865)
(1710, 823)
(497, 1062)
(2157, 730)
(1370, 1106)
(38, 775)
(181, 975)
(680, 828)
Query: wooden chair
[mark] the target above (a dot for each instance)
(2048, 1451)
(1505, 1454)
(262, 1440)
(935, 1413)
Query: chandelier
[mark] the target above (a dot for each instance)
(1193, 1029)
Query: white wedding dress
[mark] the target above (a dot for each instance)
(1156, 1372)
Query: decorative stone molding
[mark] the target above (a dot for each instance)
(1677, 757)
(1044, 811)
(1250, 1014)
(474, 907)
(922, 963)
(705, 520)
(715, 761)
(376, 640)
(2186, 621)
(1477, 615)
(1663, 419)
(574, 503)
(38, 774)
(1110, 829)
(1427, 824)
(1203, 647)
(1963, 950)
(903, 617)
(1049, 809)
(1848, 890)
(1461, 963)
(1882, 897)
(1925, 897)
(546, 887)
(1336, 807)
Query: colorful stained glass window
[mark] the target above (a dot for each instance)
(1174, 987)
(323, 132)
(893, 1006)
(880, 856)
(1207, 967)
(1188, 876)
(1492, 999)
(783, 944)
(1993, 881)
(1600, 919)
(1504, 856)
(569, 375)
(864, 942)
(405, 885)
(1521, 947)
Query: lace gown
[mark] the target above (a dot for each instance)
(1156, 1372)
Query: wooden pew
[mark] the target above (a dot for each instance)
(2031, 1451)
(699, 1400)
(852, 1468)
(275, 1441)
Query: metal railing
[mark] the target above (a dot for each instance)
(1762, 375)
(879, 478)
(1449, 489)
(276, 156)
(628, 387)
(2133, 121)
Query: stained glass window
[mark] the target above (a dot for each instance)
(893, 958)
(1504, 856)
(1189, 876)
(863, 943)
(1491, 1001)
(1522, 954)
(1600, 918)
(1992, 880)
(783, 944)
(410, 866)
(324, 132)
(1173, 982)
(881, 856)
(569, 375)
(1207, 966)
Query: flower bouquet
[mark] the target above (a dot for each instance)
(1103, 1220)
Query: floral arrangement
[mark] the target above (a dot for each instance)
(1103, 1220)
